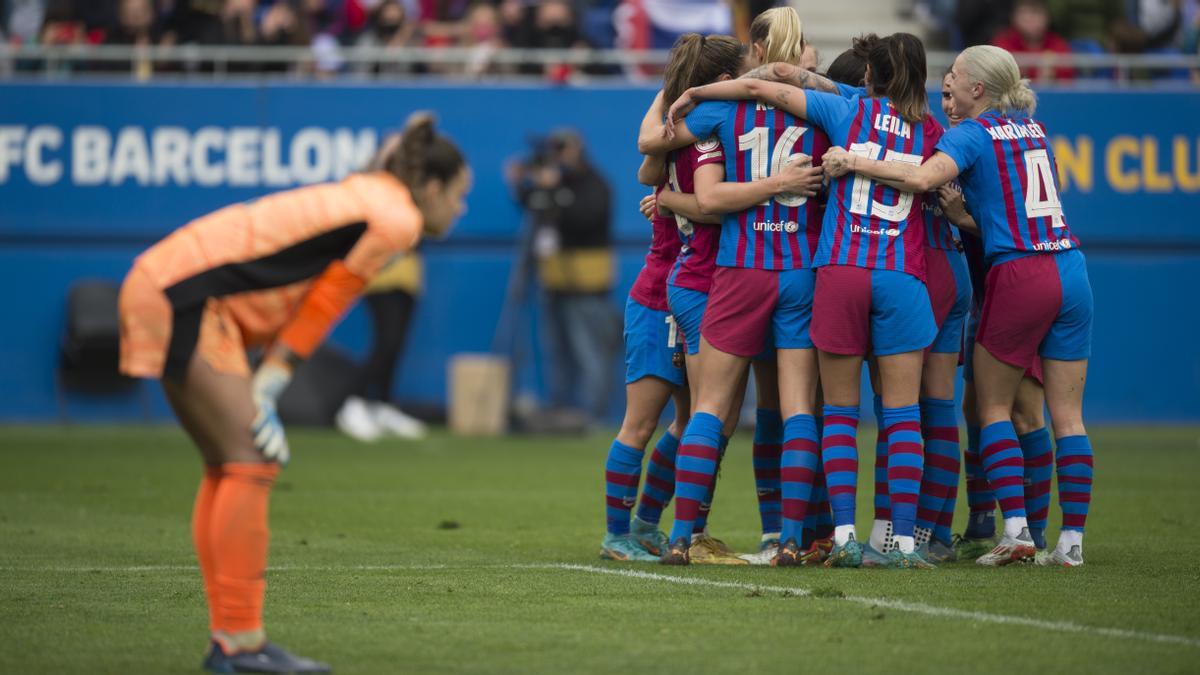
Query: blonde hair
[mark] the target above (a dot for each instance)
(780, 33)
(997, 71)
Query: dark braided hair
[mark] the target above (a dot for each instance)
(422, 154)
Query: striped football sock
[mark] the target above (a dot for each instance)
(797, 469)
(1074, 481)
(706, 505)
(621, 473)
(1038, 455)
(767, 451)
(904, 468)
(883, 506)
(939, 429)
(819, 499)
(981, 503)
(839, 456)
(820, 506)
(1005, 470)
(660, 480)
(695, 470)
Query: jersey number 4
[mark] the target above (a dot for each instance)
(755, 142)
(1041, 194)
(861, 201)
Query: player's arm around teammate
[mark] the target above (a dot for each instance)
(279, 272)
(1039, 299)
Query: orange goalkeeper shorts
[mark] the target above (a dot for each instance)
(149, 324)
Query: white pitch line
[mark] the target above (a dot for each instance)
(133, 569)
(898, 605)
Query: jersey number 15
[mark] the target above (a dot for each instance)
(861, 201)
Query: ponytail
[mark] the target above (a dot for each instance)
(422, 154)
(897, 71)
(997, 71)
(696, 59)
(781, 34)
(681, 67)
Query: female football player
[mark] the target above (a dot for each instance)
(762, 287)
(1038, 302)
(870, 293)
(652, 370)
(277, 273)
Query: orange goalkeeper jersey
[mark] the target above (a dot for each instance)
(288, 265)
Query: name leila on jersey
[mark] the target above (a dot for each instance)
(890, 124)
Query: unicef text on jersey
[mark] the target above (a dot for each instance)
(790, 226)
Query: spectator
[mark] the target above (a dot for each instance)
(441, 21)
(979, 21)
(1160, 22)
(388, 25)
(61, 25)
(136, 24)
(1030, 33)
(319, 17)
(1095, 26)
(283, 26)
(569, 204)
(556, 28)
(482, 36)
(516, 23)
(210, 22)
(23, 19)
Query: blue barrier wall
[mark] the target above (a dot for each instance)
(92, 174)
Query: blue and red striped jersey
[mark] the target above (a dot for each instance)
(697, 259)
(1010, 179)
(939, 233)
(782, 233)
(868, 224)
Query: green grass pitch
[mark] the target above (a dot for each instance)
(370, 572)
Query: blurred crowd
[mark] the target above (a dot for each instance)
(482, 27)
(327, 26)
(1070, 26)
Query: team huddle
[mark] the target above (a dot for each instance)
(804, 224)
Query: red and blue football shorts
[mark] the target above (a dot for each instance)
(650, 345)
(1034, 371)
(1038, 305)
(859, 310)
(749, 307)
(949, 284)
(687, 306)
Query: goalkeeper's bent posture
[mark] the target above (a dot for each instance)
(275, 273)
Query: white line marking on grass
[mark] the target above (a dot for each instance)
(898, 605)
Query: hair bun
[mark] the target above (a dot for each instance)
(420, 123)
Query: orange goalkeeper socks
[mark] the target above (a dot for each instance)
(201, 539)
(238, 538)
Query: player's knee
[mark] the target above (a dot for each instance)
(1026, 420)
(637, 432)
(677, 427)
(993, 413)
(1067, 423)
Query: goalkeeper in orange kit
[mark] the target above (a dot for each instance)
(277, 273)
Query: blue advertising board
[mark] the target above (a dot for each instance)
(90, 174)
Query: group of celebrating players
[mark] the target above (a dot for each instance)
(805, 223)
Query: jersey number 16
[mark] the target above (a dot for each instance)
(755, 142)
